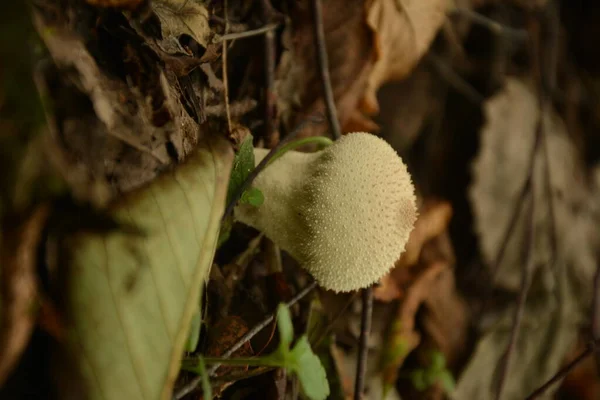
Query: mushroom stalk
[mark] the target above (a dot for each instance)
(345, 212)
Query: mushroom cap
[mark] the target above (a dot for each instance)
(357, 207)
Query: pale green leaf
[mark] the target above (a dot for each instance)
(447, 381)
(253, 196)
(310, 371)
(194, 335)
(285, 326)
(243, 164)
(133, 297)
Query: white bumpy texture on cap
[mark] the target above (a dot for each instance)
(344, 213)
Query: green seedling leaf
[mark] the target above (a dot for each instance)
(194, 335)
(438, 361)
(321, 341)
(310, 371)
(447, 381)
(253, 196)
(285, 327)
(206, 388)
(243, 164)
(300, 360)
(132, 297)
(419, 380)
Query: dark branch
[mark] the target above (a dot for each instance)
(563, 372)
(363, 351)
(334, 123)
(246, 34)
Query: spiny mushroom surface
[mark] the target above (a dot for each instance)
(345, 213)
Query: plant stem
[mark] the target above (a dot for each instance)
(240, 361)
(320, 140)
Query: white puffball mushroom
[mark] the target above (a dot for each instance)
(344, 213)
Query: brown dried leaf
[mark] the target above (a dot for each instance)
(224, 335)
(113, 130)
(565, 206)
(403, 337)
(446, 317)
(182, 17)
(19, 289)
(298, 87)
(122, 4)
(403, 29)
(432, 222)
(582, 382)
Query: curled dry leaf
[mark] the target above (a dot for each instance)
(582, 382)
(119, 128)
(121, 4)
(298, 87)
(404, 30)
(402, 337)
(566, 207)
(19, 289)
(223, 336)
(431, 223)
(368, 43)
(181, 17)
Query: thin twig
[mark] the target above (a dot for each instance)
(454, 79)
(527, 274)
(323, 60)
(225, 79)
(516, 209)
(246, 34)
(526, 279)
(547, 86)
(363, 351)
(193, 384)
(563, 372)
(596, 312)
(314, 119)
(269, 59)
(493, 26)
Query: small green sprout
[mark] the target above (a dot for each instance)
(424, 378)
(299, 360)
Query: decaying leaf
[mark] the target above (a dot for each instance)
(368, 43)
(117, 129)
(431, 223)
(582, 383)
(19, 288)
(298, 87)
(225, 334)
(132, 297)
(182, 17)
(403, 29)
(403, 337)
(122, 4)
(560, 294)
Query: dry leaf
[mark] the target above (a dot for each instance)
(404, 30)
(403, 337)
(432, 222)
(298, 86)
(582, 382)
(182, 17)
(18, 258)
(560, 294)
(223, 336)
(446, 317)
(122, 4)
(113, 131)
